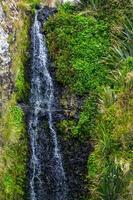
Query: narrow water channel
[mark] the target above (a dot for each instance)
(47, 176)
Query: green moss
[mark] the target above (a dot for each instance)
(22, 86)
(14, 175)
(66, 127)
(20, 57)
(93, 166)
(13, 167)
(14, 121)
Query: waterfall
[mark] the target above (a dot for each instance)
(47, 177)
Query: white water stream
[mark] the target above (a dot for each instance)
(44, 185)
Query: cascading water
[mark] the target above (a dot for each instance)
(47, 177)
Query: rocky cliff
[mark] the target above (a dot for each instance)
(14, 28)
(5, 73)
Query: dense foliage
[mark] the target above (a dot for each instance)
(94, 59)
(78, 44)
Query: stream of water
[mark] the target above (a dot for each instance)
(47, 176)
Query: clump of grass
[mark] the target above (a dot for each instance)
(113, 149)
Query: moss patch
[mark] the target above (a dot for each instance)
(13, 152)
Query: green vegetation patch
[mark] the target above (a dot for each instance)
(13, 167)
(93, 59)
(77, 44)
(14, 140)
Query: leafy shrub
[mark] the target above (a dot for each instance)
(78, 44)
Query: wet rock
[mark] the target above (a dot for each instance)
(45, 12)
(74, 151)
(75, 154)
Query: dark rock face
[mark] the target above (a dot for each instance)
(75, 150)
(45, 12)
(75, 155)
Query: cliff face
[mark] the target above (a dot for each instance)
(5, 74)
(8, 17)
(14, 27)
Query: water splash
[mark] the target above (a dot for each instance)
(47, 176)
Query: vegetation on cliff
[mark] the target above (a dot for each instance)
(92, 51)
(14, 143)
